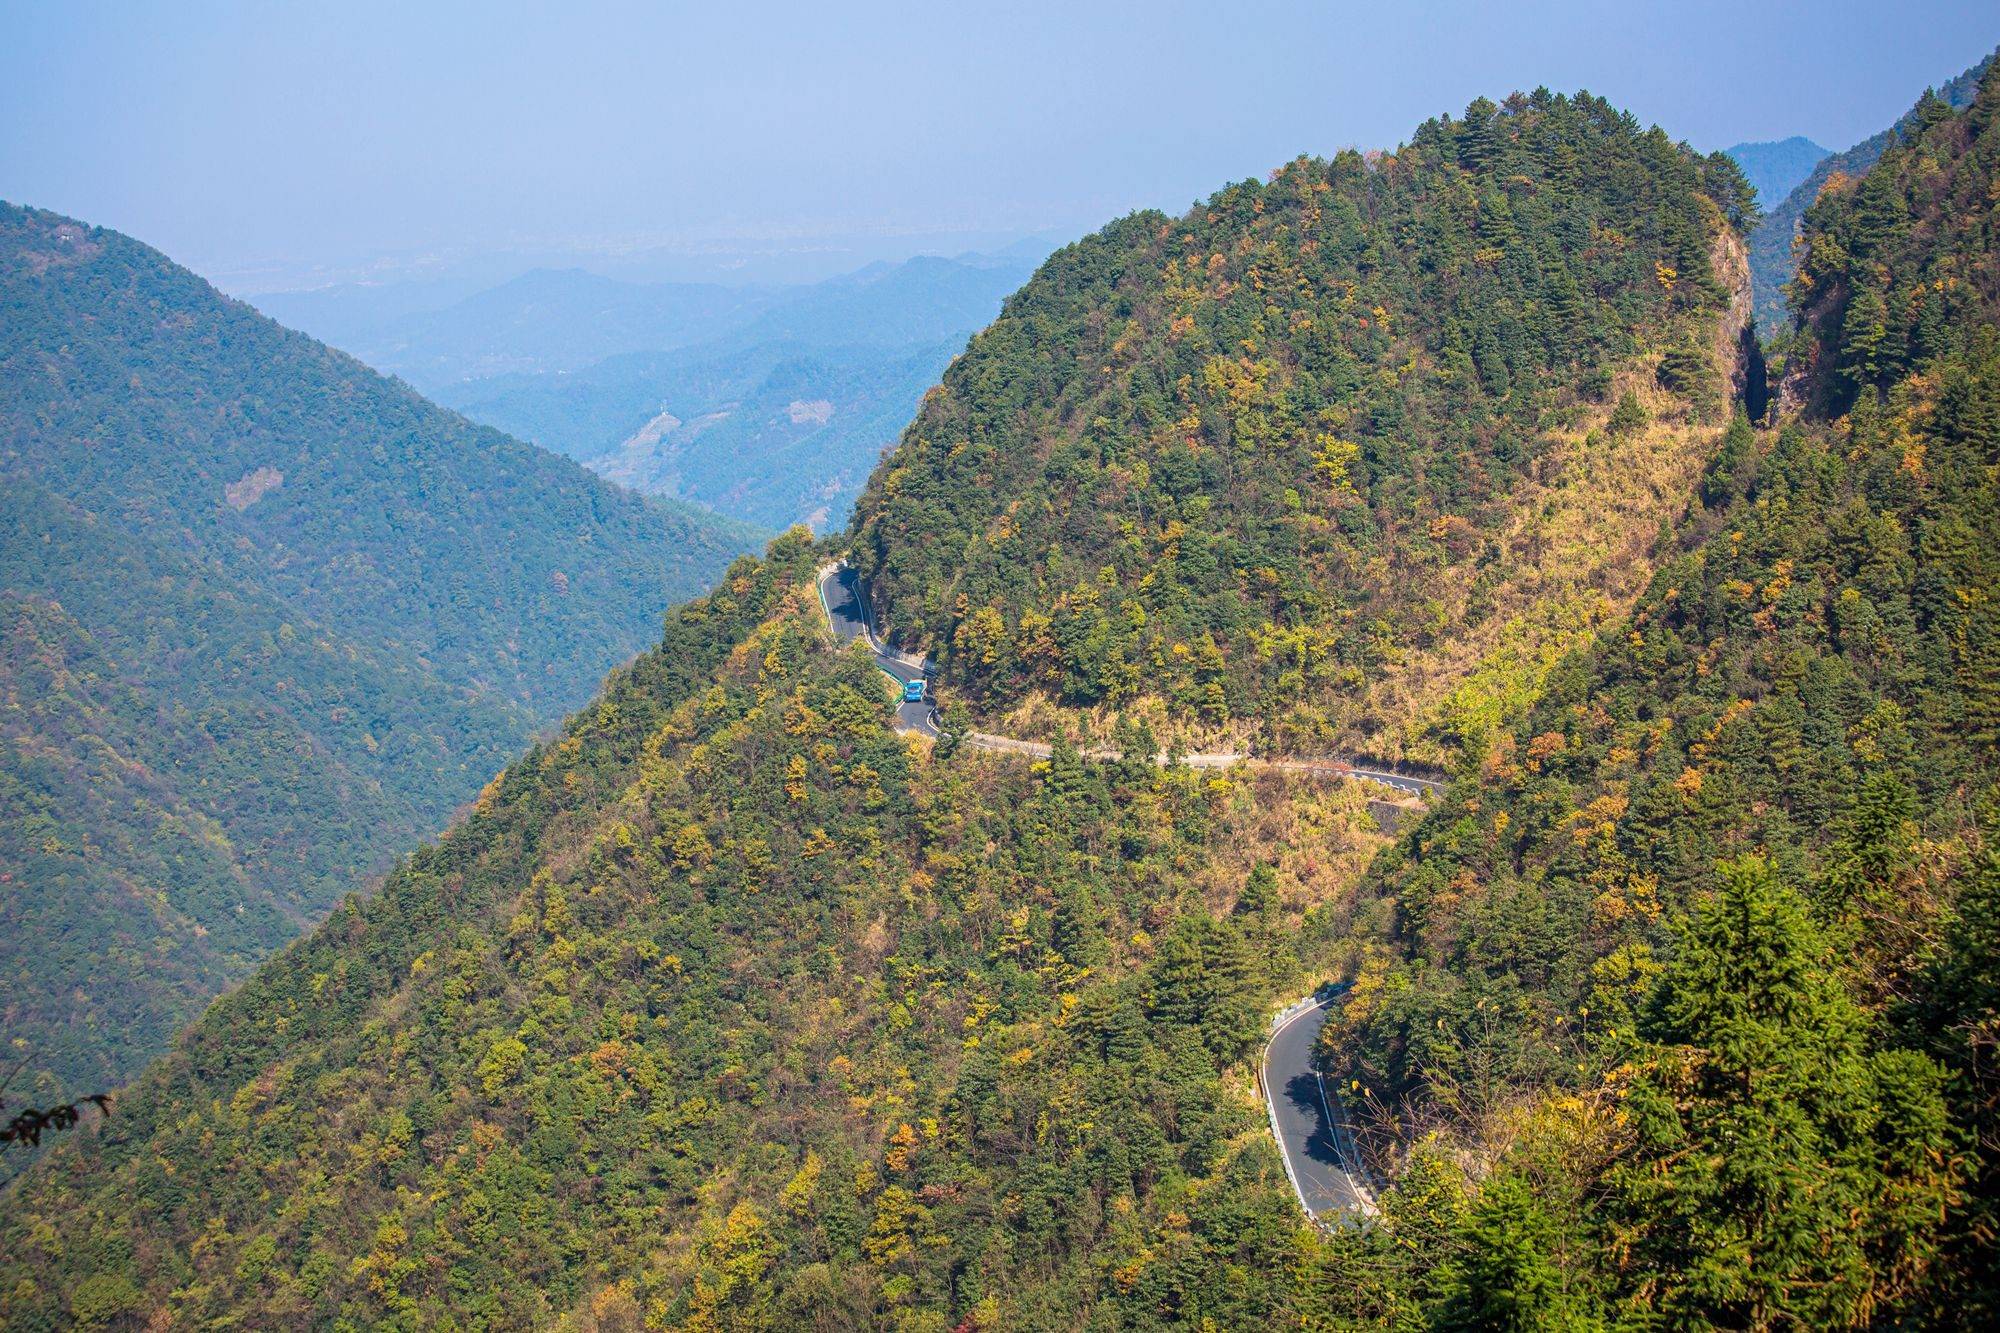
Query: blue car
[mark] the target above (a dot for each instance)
(913, 691)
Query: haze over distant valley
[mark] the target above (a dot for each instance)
(765, 403)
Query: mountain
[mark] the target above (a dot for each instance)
(268, 619)
(731, 1008)
(1340, 460)
(727, 1006)
(1734, 877)
(777, 420)
(921, 300)
(1774, 169)
(545, 320)
(340, 314)
(1771, 259)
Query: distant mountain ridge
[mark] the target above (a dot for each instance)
(1774, 169)
(268, 617)
(593, 367)
(776, 419)
(794, 438)
(543, 320)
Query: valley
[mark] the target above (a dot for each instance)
(767, 404)
(268, 620)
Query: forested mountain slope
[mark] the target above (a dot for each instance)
(1771, 259)
(731, 1009)
(268, 617)
(1348, 456)
(1700, 969)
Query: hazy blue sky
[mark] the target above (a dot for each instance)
(269, 143)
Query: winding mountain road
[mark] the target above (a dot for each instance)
(847, 616)
(1311, 1130)
(842, 598)
(1321, 1160)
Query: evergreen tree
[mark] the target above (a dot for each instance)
(1506, 1278)
(1258, 903)
(1958, 1015)
(1728, 474)
(1781, 1172)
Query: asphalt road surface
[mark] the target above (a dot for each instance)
(1400, 781)
(847, 617)
(1306, 1118)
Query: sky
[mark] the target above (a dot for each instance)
(273, 145)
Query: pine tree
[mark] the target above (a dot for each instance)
(1122, 1033)
(1781, 1173)
(1958, 1017)
(1728, 474)
(1505, 1278)
(1478, 135)
(1258, 902)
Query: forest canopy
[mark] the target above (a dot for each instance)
(1254, 460)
